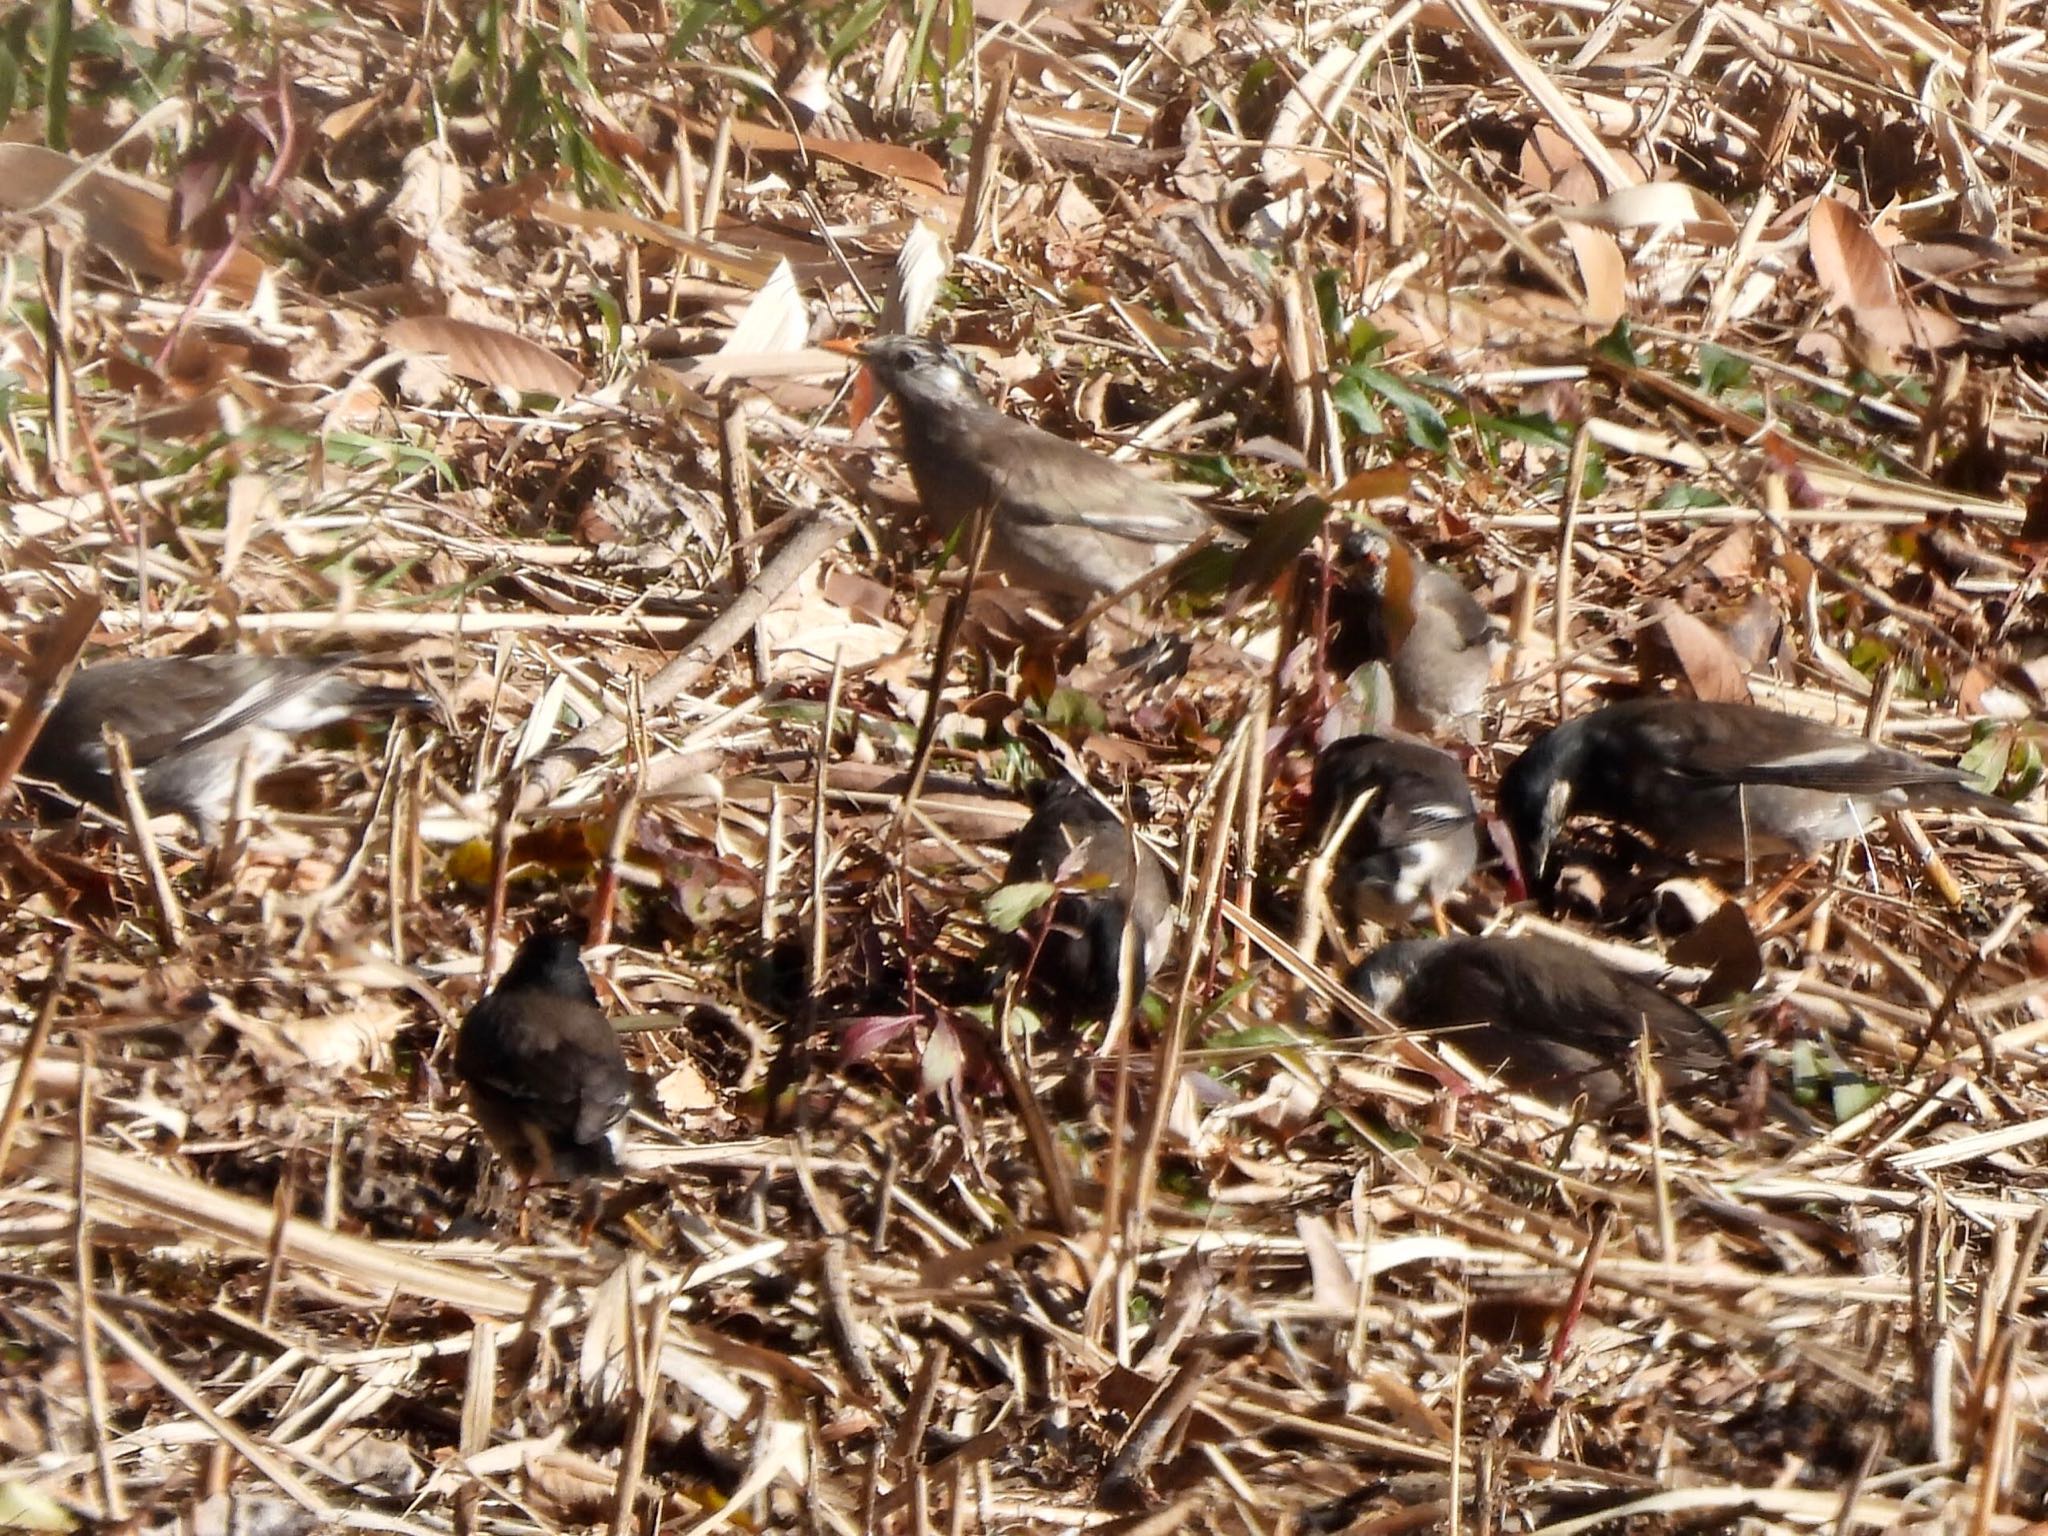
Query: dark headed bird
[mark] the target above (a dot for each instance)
(1066, 520)
(190, 720)
(1107, 880)
(1415, 843)
(1717, 781)
(1553, 1022)
(545, 1076)
(1439, 645)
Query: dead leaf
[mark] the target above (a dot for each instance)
(1733, 556)
(1289, 162)
(2034, 527)
(1707, 663)
(685, 1090)
(123, 216)
(1546, 156)
(921, 267)
(898, 162)
(773, 324)
(349, 1041)
(1332, 1286)
(486, 355)
(1656, 204)
(570, 1488)
(1603, 270)
(1375, 483)
(1756, 631)
(251, 498)
(1860, 278)
(431, 188)
(1727, 945)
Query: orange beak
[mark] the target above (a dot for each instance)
(867, 394)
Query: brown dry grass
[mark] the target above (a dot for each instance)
(1295, 1294)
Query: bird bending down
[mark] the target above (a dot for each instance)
(1415, 843)
(1717, 781)
(1064, 520)
(190, 720)
(544, 1073)
(1552, 1021)
(1107, 880)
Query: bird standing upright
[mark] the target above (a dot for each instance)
(545, 1076)
(1106, 880)
(1065, 521)
(190, 720)
(1415, 843)
(1439, 644)
(1718, 781)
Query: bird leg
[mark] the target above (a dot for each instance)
(524, 1192)
(588, 1218)
(1790, 880)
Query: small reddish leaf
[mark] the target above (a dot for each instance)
(861, 1038)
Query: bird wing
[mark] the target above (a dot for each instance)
(1848, 769)
(555, 1063)
(1402, 820)
(1607, 1011)
(182, 702)
(1418, 797)
(1055, 483)
(1735, 744)
(1468, 623)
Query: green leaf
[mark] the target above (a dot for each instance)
(2024, 769)
(1988, 758)
(614, 319)
(1426, 427)
(1231, 994)
(57, 78)
(1868, 655)
(1348, 395)
(1684, 493)
(853, 29)
(1619, 345)
(1009, 907)
(1069, 707)
(1535, 428)
(13, 49)
(1721, 370)
(1258, 1037)
(1330, 300)
(24, 1508)
(1853, 1097)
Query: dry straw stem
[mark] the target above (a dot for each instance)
(1269, 1283)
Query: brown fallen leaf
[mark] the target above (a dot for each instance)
(1861, 279)
(486, 355)
(1655, 203)
(1733, 556)
(1727, 945)
(122, 216)
(1706, 662)
(897, 162)
(1603, 269)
